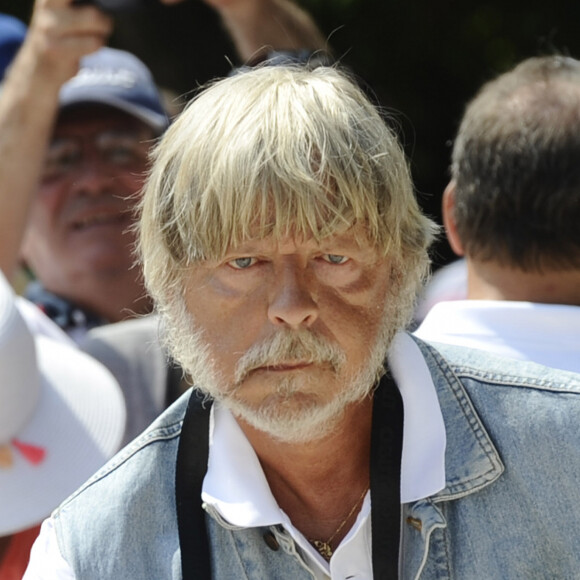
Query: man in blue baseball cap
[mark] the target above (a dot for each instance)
(77, 123)
(78, 241)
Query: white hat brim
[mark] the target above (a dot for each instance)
(79, 422)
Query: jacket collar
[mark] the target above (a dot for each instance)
(471, 460)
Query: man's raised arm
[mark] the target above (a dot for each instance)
(59, 35)
(258, 26)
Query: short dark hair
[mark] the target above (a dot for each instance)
(516, 165)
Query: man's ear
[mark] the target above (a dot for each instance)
(448, 211)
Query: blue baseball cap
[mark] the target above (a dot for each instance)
(12, 33)
(120, 80)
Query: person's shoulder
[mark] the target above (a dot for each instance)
(448, 283)
(136, 332)
(493, 369)
(133, 352)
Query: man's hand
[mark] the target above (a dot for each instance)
(59, 35)
(259, 26)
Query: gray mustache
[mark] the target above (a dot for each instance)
(290, 346)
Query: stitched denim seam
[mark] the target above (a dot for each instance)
(454, 490)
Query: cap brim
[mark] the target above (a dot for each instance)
(79, 422)
(157, 121)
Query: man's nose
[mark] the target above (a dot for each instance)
(292, 301)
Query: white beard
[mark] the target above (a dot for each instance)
(293, 413)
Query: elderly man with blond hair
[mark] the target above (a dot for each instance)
(284, 247)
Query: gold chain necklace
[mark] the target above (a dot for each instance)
(325, 548)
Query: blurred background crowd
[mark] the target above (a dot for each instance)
(423, 59)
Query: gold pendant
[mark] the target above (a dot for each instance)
(323, 548)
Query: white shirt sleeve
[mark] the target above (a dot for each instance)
(46, 561)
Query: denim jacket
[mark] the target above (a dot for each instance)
(510, 508)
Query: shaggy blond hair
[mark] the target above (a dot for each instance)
(273, 151)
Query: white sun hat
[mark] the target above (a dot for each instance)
(62, 415)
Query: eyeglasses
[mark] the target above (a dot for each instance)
(114, 148)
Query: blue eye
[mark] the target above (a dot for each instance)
(242, 263)
(335, 258)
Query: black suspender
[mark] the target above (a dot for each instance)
(190, 469)
(386, 449)
(385, 473)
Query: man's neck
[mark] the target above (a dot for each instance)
(491, 281)
(317, 483)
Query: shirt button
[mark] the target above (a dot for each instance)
(271, 541)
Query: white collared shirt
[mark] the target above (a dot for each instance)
(547, 334)
(236, 487)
